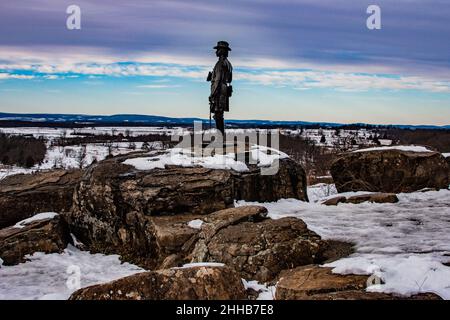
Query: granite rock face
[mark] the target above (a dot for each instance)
(47, 235)
(319, 283)
(390, 171)
(259, 248)
(24, 195)
(120, 209)
(193, 283)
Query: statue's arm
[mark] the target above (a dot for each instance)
(216, 78)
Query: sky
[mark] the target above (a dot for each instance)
(306, 60)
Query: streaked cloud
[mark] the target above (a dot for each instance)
(7, 76)
(158, 86)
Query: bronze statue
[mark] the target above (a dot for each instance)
(221, 89)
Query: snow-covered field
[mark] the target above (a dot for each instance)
(405, 244)
(69, 156)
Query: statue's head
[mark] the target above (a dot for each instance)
(222, 49)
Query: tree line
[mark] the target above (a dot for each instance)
(21, 151)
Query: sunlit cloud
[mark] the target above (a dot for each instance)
(7, 76)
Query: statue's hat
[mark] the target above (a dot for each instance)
(223, 44)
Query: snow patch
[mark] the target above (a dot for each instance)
(37, 217)
(319, 191)
(195, 224)
(76, 242)
(400, 148)
(264, 292)
(185, 158)
(405, 275)
(201, 264)
(45, 276)
(265, 156)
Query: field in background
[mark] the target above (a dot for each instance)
(43, 148)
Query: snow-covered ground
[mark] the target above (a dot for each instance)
(331, 136)
(68, 157)
(339, 137)
(261, 156)
(400, 148)
(55, 276)
(54, 133)
(405, 244)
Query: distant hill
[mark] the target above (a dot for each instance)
(41, 119)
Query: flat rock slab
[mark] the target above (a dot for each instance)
(318, 283)
(48, 235)
(391, 171)
(370, 197)
(193, 283)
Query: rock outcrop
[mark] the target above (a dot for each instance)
(193, 283)
(391, 171)
(319, 283)
(24, 195)
(260, 248)
(369, 197)
(288, 182)
(47, 235)
(120, 209)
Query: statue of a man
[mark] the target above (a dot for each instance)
(221, 89)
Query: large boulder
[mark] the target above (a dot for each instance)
(118, 208)
(319, 283)
(258, 248)
(288, 182)
(38, 235)
(390, 170)
(190, 283)
(24, 195)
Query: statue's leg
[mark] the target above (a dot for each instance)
(218, 116)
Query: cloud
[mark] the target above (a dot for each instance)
(51, 77)
(7, 76)
(348, 82)
(53, 63)
(328, 32)
(158, 86)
